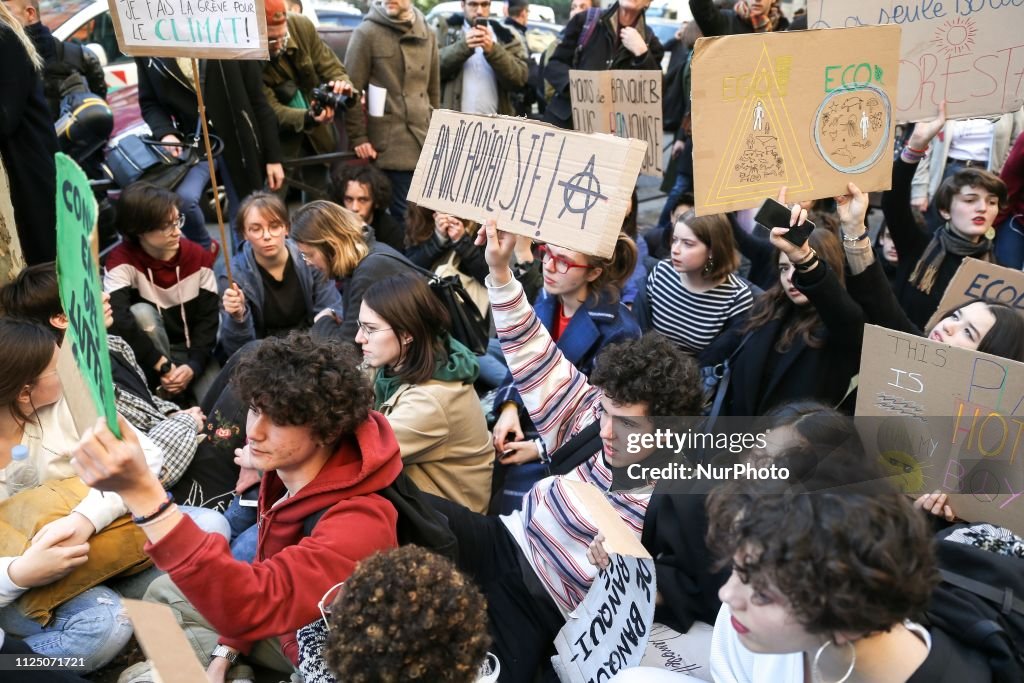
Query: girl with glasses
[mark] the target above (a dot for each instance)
(275, 290)
(424, 386)
(163, 292)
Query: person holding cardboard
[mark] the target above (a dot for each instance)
(753, 16)
(597, 40)
(532, 565)
(323, 452)
(968, 202)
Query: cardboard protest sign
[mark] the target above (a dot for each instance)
(164, 643)
(553, 185)
(967, 52)
(215, 29)
(76, 389)
(608, 631)
(621, 102)
(981, 281)
(78, 278)
(811, 110)
(954, 421)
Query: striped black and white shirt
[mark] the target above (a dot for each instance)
(692, 320)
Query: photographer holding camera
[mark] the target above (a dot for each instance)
(305, 84)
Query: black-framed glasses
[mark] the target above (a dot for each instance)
(174, 225)
(562, 264)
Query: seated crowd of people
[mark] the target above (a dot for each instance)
(324, 481)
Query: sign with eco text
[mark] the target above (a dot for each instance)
(621, 102)
(215, 29)
(953, 420)
(563, 187)
(78, 279)
(981, 281)
(609, 630)
(809, 110)
(967, 52)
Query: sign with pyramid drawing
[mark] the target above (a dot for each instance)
(808, 110)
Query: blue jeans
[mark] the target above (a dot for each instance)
(244, 533)
(493, 368)
(401, 181)
(90, 625)
(191, 191)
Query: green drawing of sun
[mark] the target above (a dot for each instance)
(955, 37)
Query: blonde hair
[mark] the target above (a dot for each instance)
(335, 231)
(12, 23)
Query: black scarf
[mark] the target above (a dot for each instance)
(945, 242)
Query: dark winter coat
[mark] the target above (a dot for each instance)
(236, 110)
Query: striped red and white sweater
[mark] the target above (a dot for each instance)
(183, 290)
(552, 528)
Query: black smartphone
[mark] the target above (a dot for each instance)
(772, 214)
(479, 22)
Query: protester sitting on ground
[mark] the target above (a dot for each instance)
(34, 295)
(546, 542)
(323, 452)
(433, 239)
(163, 292)
(803, 336)
(274, 290)
(695, 298)
(658, 239)
(332, 240)
(424, 387)
(364, 190)
(580, 309)
(986, 326)
(407, 614)
(968, 201)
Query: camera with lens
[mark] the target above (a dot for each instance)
(324, 97)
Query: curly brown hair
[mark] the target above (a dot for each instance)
(859, 559)
(650, 370)
(407, 615)
(299, 380)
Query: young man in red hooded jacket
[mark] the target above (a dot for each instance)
(322, 450)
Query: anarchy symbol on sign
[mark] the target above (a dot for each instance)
(591, 193)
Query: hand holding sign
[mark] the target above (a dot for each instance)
(925, 131)
(499, 247)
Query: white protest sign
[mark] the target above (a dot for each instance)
(608, 632)
(967, 52)
(216, 29)
(622, 102)
(563, 187)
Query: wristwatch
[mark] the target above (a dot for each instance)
(227, 653)
(164, 368)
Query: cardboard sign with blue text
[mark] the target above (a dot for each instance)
(623, 102)
(78, 278)
(981, 281)
(552, 185)
(952, 420)
(214, 29)
(808, 110)
(967, 52)
(608, 631)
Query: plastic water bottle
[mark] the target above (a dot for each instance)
(21, 475)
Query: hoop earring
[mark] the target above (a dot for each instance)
(709, 266)
(816, 670)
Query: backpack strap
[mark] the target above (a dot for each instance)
(1008, 604)
(310, 522)
(589, 26)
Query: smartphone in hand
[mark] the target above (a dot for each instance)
(772, 214)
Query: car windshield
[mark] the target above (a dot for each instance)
(55, 12)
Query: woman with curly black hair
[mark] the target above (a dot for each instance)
(407, 614)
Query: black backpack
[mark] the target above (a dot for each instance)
(980, 603)
(418, 522)
(65, 74)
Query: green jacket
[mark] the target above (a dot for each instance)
(307, 62)
(401, 57)
(508, 58)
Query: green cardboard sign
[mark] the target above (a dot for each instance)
(80, 288)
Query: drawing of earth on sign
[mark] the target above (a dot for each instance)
(851, 128)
